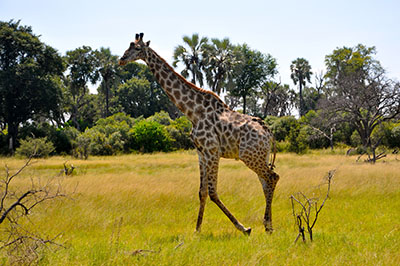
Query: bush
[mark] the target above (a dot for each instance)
(61, 141)
(162, 118)
(180, 130)
(395, 137)
(36, 147)
(150, 136)
(109, 136)
(297, 139)
(282, 126)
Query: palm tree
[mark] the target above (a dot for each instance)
(108, 65)
(219, 62)
(191, 57)
(301, 72)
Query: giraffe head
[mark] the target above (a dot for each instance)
(137, 50)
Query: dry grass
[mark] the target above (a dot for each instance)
(141, 210)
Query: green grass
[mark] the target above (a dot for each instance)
(150, 202)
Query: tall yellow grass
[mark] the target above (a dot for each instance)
(124, 204)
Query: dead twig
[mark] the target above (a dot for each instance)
(309, 209)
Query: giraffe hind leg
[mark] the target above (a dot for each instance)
(268, 181)
(203, 192)
(203, 198)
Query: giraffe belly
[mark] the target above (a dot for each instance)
(229, 148)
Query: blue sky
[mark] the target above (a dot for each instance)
(286, 29)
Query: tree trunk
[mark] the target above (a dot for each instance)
(244, 104)
(12, 136)
(107, 98)
(301, 108)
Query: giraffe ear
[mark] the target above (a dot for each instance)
(148, 43)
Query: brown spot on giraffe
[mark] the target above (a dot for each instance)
(217, 132)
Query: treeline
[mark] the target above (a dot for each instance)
(46, 95)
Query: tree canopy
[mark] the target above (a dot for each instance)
(30, 73)
(46, 95)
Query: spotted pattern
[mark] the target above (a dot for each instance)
(217, 132)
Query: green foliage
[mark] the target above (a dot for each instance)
(282, 126)
(297, 138)
(180, 130)
(150, 136)
(36, 147)
(161, 117)
(300, 73)
(82, 65)
(29, 77)
(191, 57)
(109, 136)
(62, 142)
(108, 69)
(253, 69)
(219, 63)
(394, 140)
(355, 139)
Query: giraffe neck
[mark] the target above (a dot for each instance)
(191, 100)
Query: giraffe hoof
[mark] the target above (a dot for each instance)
(269, 230)
(247, 231)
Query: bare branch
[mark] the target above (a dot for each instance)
(306, 206)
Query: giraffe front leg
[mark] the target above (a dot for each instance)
(214, 197)
(212, 175)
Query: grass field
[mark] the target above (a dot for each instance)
(128, 203)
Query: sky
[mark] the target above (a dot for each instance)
(285, 29)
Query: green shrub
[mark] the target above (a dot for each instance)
(61, 141)
(394, 140)
(180, 130)
(150, 136)
(82, 146)
(162, 118)
(282, 126)
(355, 139)
(297, 138)
(36, 147)
(282, 146)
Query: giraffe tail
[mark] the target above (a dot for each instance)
(271, 165)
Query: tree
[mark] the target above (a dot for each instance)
(139, 94)
(29, 78)
(219, 62)
(134, 98)
(359, 92)
(191, 57)
(278, 99)
(82, 65)
(301, 72)
(108, 69)
(254, 69)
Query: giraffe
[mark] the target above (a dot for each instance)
(217, 132)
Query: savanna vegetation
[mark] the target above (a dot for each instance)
(46, 95)
(122, 202)
(142, 210)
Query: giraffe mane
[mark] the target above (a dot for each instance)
(190, 83)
